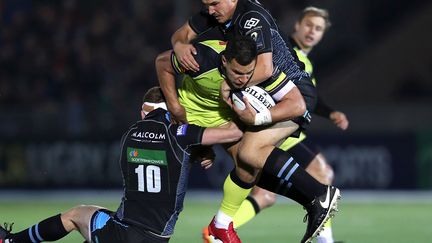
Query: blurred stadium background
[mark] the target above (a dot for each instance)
(72, 74)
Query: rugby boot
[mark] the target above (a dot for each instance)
(5, 233)
(205, 235)
(319, 211)
(216, 235)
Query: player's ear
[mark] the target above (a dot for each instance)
(142, 114)
(224, 60)
(297, 26)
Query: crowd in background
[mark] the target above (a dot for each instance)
(79, 67)
(80, 63)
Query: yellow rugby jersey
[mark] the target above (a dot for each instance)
(199, 91)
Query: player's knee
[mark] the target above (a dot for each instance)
(321, 170)
(264, 198)
(269, 199)
(245, 156)
(70, 217)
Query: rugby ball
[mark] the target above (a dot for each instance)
(259, 99)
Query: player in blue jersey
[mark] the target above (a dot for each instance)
(155, 160)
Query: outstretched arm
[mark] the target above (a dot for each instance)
(224, 134)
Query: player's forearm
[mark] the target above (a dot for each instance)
(263, 69)
(322, 109)
(183, 35)
(221, 135)
(166, 77)
(292, 106)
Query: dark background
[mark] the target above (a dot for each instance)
(73, 72)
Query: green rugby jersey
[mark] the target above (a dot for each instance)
(199, 91)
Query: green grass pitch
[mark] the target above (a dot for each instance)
(355, 223)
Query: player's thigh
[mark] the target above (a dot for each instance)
(257, 144)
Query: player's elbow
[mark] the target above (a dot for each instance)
(162, 59)
(267, 70)
(237, 134)
(300, 107)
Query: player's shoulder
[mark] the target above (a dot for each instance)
(253, 13)
(208, 55)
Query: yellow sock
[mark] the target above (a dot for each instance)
(245, 213)
(233, 196)
(328, 223)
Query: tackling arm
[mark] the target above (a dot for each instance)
(226, 134)
(184, 51)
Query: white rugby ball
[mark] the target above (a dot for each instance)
(259, 99)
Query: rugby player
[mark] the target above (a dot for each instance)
(310, 28)
(155, 161)
(198, 97)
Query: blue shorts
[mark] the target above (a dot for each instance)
(104, 227)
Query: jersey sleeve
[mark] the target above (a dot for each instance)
(187, 134)
(202, 22)
(255, 25)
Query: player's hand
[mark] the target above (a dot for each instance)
(185, 55)
(205, 155)
(248, 114)
(207, 163)
(225, 91)
(339, 119)
(178, 114)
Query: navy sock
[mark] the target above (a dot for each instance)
(287, 175)
(50, 229)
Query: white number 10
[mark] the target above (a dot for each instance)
(152, 176)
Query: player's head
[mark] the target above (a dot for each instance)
(152, 99)
(221, 10)
(239, 60)
(311, 26)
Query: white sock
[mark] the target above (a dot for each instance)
(222, 220)
(325, 236)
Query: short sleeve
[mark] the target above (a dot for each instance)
(255, 25)
(187, 134)
(202, 22)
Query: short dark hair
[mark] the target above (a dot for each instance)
(154, 95)
(242, 49)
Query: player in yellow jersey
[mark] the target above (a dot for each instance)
(265, 156)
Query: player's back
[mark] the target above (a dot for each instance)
(199, 91)
(155, 164)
